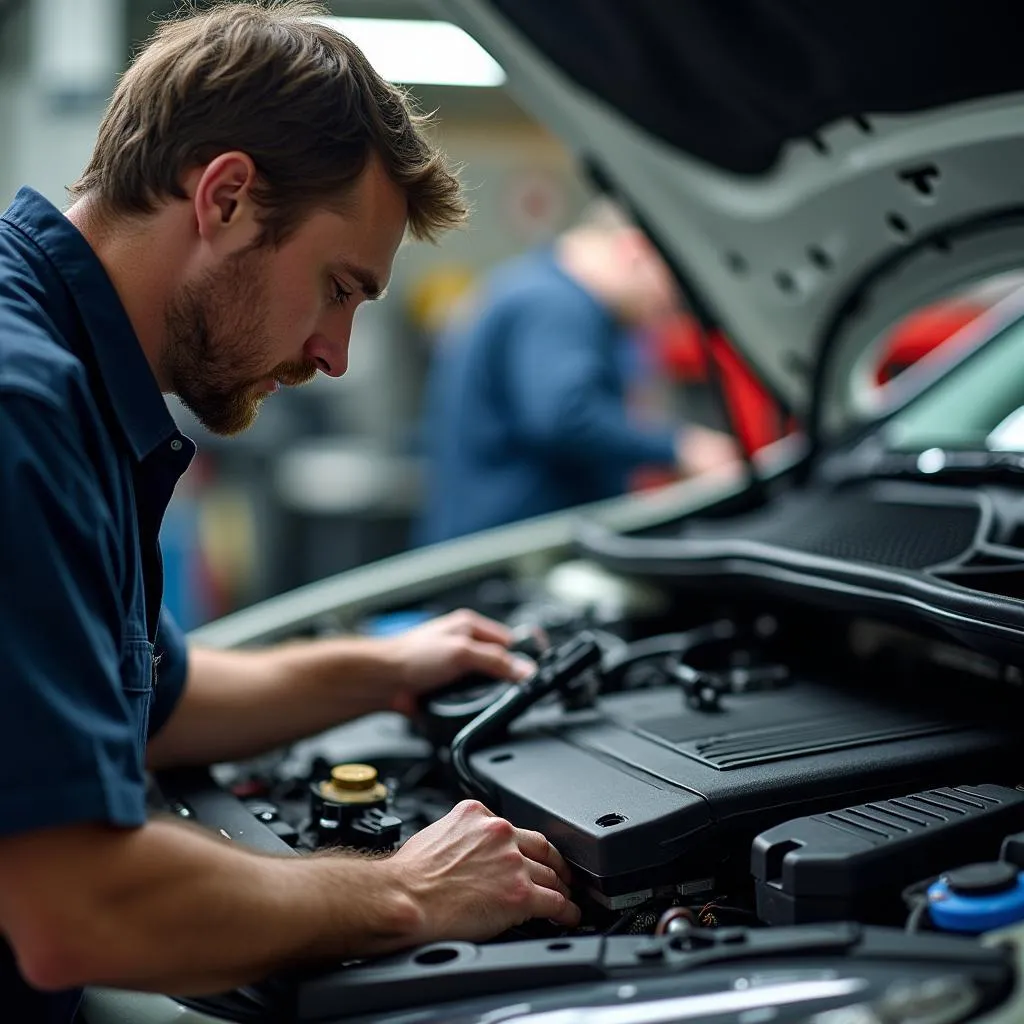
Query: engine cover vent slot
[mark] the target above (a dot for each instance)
(763, 746)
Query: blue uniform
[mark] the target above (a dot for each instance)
(89, 457)
(526, 406)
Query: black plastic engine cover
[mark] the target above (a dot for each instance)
(643, 791)
(853, 863)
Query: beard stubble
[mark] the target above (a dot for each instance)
(217, 342)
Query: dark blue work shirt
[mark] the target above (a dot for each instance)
(89, 457)
(526, 406)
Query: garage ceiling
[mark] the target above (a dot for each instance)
(452, 104)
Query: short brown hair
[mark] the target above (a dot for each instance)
(265, 79)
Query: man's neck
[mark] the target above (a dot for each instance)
(137, 265)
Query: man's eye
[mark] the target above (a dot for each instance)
(341, 293)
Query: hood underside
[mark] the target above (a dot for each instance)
(814, 171)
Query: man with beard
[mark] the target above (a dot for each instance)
(252, 180)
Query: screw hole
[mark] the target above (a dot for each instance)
(921, 179)
(433, 957)
(819, 144)
(863, 124)
(736, 263)
(559, 947)
(819, 257)
(786, 282)
(608, 820)
(498, 758)
(898, 224)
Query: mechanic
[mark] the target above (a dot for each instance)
(252, 180)
(526, 402)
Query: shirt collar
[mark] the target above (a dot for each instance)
(134, 394)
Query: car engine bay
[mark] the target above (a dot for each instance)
(714, 772)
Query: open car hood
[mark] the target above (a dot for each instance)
(814, 171)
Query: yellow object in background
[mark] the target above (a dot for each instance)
(435, 294)
(227, 537)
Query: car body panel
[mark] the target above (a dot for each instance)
(788, 261)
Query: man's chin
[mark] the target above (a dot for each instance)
(229, 419)
(240, 421)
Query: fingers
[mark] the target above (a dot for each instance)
(485, 649)
(550, 897)
(548, 903)
(521, 668)
(542, 875)
(543, 862)
(479, 627)
(484, 878)
(537, 848)
(495, 661)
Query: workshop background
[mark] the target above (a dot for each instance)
(329, 476)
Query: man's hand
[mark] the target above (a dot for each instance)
(700, 450)
(474, 876)
(441, 651)
(238, 704)
(169, 908)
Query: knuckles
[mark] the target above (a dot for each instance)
(462, 651)
(469, 807)
(519, 893)
(502, 830)
(536, 839)
(463, 618)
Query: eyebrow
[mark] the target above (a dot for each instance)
(367, 279)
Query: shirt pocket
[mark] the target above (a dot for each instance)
(137, 684)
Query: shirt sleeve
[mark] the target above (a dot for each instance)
(560, 396)
(69, 742)
(171, 656)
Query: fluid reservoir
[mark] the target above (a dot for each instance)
(336, 804)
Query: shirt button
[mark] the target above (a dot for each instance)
(175, 445)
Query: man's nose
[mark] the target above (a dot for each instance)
(330, 355)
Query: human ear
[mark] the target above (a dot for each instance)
(224, 208)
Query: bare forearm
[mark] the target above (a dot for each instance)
(169, 909)
(240, 703)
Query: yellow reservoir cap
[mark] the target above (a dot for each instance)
(353, 776)
(354, 783)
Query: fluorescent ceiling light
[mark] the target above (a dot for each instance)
(420, 52)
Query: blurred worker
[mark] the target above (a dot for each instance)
(526, 404)
(252, 180)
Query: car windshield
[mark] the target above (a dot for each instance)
(979, 406)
